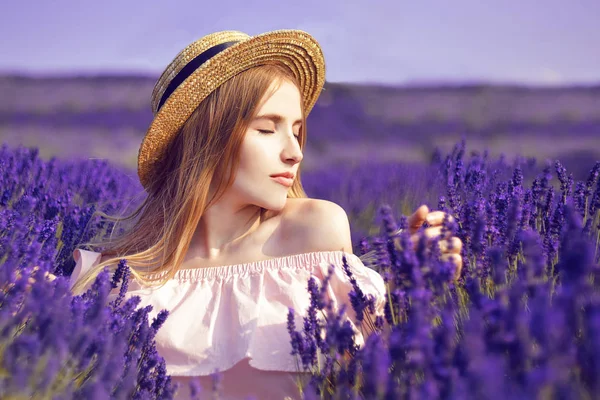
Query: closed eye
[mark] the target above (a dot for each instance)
(266, 132)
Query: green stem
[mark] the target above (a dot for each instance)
(391, 305)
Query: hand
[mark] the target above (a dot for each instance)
(31, 280)
(435, 220)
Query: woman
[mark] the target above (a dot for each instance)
(226, 238)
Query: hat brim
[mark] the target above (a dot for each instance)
(295, 48)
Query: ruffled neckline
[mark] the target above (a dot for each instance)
(294, 261)
(241, 311)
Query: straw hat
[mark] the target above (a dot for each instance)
(213, 59)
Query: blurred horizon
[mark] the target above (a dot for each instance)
(106, 117)
(402, 78)
(134, 75)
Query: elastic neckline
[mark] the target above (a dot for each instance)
(295, 261)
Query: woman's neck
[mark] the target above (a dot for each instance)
(223, 228)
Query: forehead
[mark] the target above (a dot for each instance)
(275, 118)
(282, 103)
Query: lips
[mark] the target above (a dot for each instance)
(286, 179)
(285, 175)
(283, 180)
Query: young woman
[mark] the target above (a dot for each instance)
(226, 238)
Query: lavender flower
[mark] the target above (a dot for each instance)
(521, 322)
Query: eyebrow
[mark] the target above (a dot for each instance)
(276, 118)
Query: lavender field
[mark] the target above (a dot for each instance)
(523, 320)
(105, 117)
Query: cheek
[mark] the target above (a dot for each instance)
(255, 157)
(252, 171)
(250, 168)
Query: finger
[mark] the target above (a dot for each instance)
(459, 265)
(416, 220)
(430, 234)
(455, 259)
(436, 231)
(437, 218)
(452, 245)
(50, 276)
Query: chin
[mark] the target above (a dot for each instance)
(275, 205)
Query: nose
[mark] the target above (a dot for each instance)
(292, 153)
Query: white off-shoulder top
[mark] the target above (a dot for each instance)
(233, 318)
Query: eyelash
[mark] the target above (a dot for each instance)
(265, 132)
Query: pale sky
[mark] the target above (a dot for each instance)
(393, 42)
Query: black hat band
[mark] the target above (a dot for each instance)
(191, 67)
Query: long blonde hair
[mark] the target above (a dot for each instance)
(204, 150)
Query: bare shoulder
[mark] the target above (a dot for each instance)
(310, 225)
